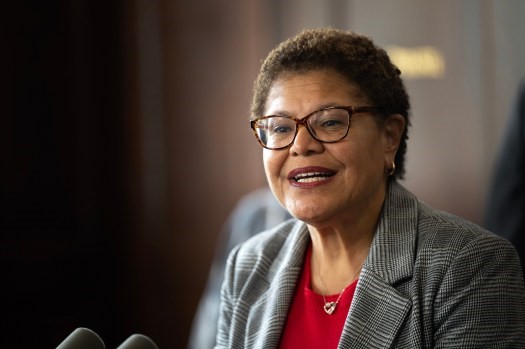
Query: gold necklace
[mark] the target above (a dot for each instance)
(329, 307)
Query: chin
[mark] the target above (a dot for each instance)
(306, 215)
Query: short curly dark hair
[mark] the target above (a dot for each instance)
(352, 55)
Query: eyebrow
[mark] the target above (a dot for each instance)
(321, 107)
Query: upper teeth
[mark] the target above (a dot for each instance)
(310, 176)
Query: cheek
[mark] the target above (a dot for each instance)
(269, 163)
(364, 154)
(273, 161)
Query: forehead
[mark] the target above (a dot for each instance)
(312, 89)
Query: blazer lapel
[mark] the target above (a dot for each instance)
(379, 309)
(376, 314)
(272, 307)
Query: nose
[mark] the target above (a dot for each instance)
(304, 143)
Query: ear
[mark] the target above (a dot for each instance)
(393, 128)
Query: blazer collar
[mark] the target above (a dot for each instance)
(378, 309)
(392, 253)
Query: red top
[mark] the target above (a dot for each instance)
(308, 325)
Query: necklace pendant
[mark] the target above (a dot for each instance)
(329, 307)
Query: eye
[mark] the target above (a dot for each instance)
(281, 129)
(332, 123)
(280, 126)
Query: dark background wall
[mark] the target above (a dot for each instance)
(64, 202)
(124, 142)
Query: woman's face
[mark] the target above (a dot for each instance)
(350, 174)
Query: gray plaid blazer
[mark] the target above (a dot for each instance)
(431, 280)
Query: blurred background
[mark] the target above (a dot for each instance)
(124, 141)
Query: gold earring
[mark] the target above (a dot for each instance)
(391, 171)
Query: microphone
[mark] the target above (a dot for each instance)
(138, 341)
(82, 338)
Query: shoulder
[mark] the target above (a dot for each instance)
(433, 227)
(255, 263)
(464, 252)
(436, 238)
(443, 230)
(268, 242)
(274, 247)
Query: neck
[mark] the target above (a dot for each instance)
(339, 252)
(335, 263)
(340, 246)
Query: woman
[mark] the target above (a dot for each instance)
(364, 264)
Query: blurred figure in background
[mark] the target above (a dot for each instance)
(505, 213)
(254, 213)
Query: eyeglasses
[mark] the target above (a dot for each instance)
(328, 125)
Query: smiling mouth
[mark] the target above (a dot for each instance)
(311, 177)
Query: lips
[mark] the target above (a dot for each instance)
(310, 175)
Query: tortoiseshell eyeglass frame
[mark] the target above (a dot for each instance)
(303, 121)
